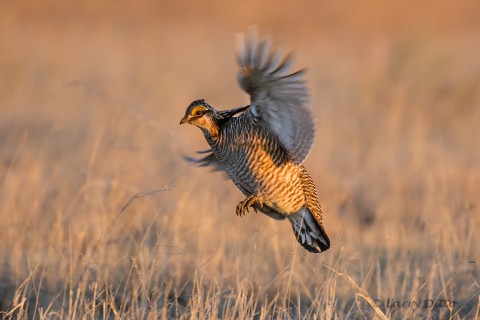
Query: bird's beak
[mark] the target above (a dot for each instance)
(184, 120)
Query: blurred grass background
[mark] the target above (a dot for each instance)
(91, 94)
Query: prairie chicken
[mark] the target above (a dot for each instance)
(263, 148)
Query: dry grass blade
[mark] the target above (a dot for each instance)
(361, 292)
(165, 188)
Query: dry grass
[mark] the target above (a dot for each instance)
(91, 94)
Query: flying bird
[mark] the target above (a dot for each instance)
(261, 146)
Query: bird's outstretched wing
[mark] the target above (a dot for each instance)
(279, 99)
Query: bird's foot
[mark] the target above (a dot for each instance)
(245, 205)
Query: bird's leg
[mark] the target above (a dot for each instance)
(246, 204)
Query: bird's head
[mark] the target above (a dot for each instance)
(201, 114)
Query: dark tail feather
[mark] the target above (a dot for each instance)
(309, 233)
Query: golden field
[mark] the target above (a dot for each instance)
(91, 94)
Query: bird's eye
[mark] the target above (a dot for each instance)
(198, 111)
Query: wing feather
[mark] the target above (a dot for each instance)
(279, 99)
(207, 161)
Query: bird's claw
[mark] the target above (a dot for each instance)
(245, 205)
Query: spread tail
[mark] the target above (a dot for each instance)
(309, 233)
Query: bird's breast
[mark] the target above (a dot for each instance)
(257, 164)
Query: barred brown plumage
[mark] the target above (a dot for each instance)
(263, 148)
